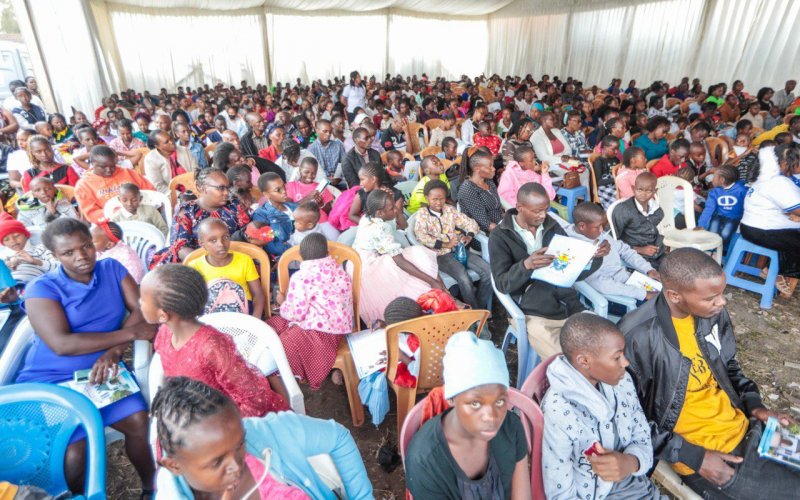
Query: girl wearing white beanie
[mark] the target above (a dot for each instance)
(476, 449)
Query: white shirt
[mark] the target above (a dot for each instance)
(18, 161)
(293, 173)
(11, 102)
(355, 97)
(768, 202)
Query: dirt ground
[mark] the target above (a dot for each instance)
(766, 341)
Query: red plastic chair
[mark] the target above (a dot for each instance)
(532, 421)
(537, 384)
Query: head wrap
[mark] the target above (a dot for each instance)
(103, 224)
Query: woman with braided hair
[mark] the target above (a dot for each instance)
(388, 270)
(209, 451)
(173, 296)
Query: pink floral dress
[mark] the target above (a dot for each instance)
(316, 313)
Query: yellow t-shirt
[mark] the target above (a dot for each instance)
(240, 270)
(708, 418)
(417, 198)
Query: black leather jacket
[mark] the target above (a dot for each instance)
(661, 373)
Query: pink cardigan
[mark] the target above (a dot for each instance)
(514, 177)
(626, 177)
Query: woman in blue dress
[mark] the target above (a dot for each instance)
(78, 312)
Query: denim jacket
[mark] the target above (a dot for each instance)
(282, 226)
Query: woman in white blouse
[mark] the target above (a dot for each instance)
(551, 146)
(355, 94)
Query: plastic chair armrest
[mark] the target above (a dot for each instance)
(599, 303)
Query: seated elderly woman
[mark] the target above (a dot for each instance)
(78, 312)
(212, 200)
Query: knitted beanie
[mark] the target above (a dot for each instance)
(469, 362)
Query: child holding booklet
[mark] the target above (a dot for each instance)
(611, 277)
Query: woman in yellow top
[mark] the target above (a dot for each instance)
(220, 263)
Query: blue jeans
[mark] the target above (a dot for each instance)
(724, 227)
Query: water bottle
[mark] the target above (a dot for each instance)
(460, 253)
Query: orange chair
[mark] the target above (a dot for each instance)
(430, 125)
(186, 180)
(592, 158)
(67, 190)
(406, 157)
(139, 167)
(430, 150)
(414, 129)
(718, 149)
(344, 359)
(258, 255)
(537, 384)
(433, 333)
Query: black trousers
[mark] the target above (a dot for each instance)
(785, 241)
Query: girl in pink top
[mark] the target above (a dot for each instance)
(305, 189)
(316, 311)
(107, 239)
(524, 169)
(634, 163)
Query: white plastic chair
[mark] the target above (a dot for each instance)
(153, 198)
(142, 237)
(258, 343)
(680, 238)
(599, 302)
(609, 213)
(670, 480)
(527, 358)
(21, 340)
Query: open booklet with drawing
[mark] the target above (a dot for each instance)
(112, 390)
(368, 349)
(571, 258)
(780, 444)
(640, 280)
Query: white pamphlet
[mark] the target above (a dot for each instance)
(640, 280)
(571, 258)
(368, 349)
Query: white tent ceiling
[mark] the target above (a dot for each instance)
(453, 7)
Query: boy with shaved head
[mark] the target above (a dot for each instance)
(706, 417)
(592, 405)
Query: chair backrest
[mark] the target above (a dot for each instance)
(430, 150)
(432, 124)
(36, 424)
(609, 213)
(15, 351)
(143, 237)
(258, 255)
(139, 167)
(406, 157)
(155, 199)
(186, 180)
(67, 190)
(718, 149)
(258, 343)
(343, 254)
(415, 129)
(532, 421)
(666, 187)
(433, 333)
(536, 385)
(592, 158)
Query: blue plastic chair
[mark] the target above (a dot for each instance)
(734, 264)
(570, 197)
(517, 332)
(36, 424)
(599, 302)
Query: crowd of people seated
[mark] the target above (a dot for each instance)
(450, 187)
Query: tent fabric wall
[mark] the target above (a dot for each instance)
(93, 47)
(595, 41)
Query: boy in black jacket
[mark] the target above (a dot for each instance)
(517, 246)
(706, 416)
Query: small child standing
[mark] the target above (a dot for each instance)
(173, 296)
(307, 221)
(315, 312)
(107, 239)
(44, 204)
(603, 168)
(524, 169)
(306, 188)
(485, 137)
(743, 157)
(634, 162)
(723, 218)
(431, 168)
(275, 212)
(221, 263)
(26, 260)
(589, 221)
(596, 439)
(130, 197)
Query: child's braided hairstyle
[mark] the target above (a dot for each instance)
(181, 402)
